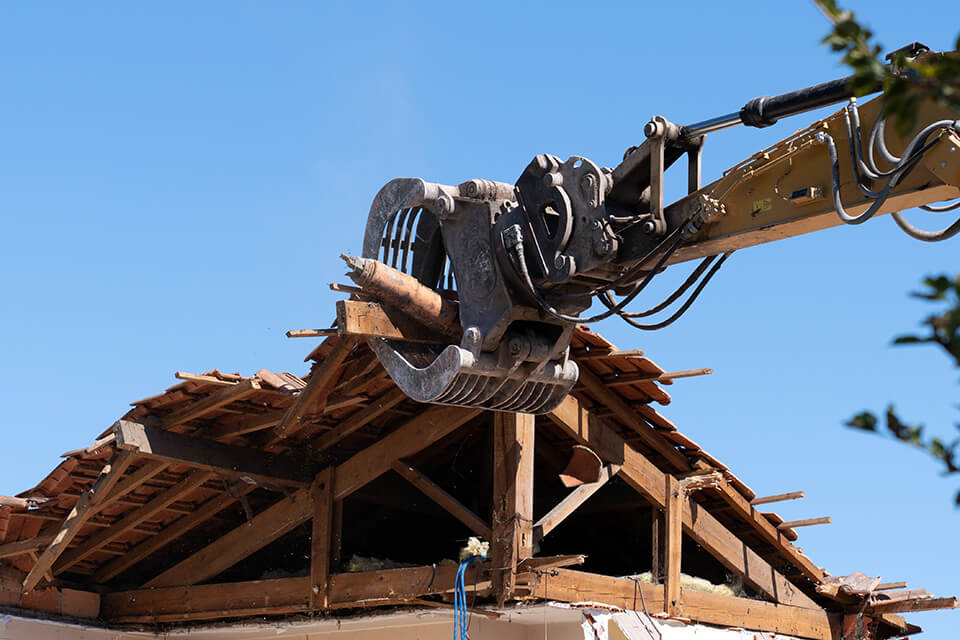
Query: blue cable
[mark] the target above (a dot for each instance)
(460, 600)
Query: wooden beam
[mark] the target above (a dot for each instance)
(207, 602)
(370, 319)
(212, 402)
(318, 387)
(157, 444)
(599, 352)
(705, 529)
(24, 547)
(611, 400)
(321, 494)
(419, 432)
(81, 512)
(513, 451)
(599, 388)
(803, 523)
(571, 503)
(131, 519)
(262, 597)
(666, 376)
(358, 420)
(247, 425)
(449, 503)
(153, 544)
(567, 585)
(885, 586)
(903, 606)
(218, 556)
(673, 544)
(148, 470)
(658, 539)
(770, 534)
(780, 497)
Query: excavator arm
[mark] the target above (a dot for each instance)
(500, 274)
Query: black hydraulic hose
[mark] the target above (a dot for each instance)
(940, 208)
(691, 279)
(926, 236)
(686, 305)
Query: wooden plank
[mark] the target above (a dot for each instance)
(358, 420)
(211, 403)
(804, 523)
(567, 585)
(250, 424)
(780, 497)
(646, 478)
(449, 503)
(369, 319)
(157, 444)
(611, 400)
(601, 353)
(218, 556)
(769, 532)
(24, 547)
(598, 387)
(416, 434)
(153, 544)
(673, 544)
(658, 547)
(349, 589)
(148, 470)
(667, 376)
(131, 519)
(512, 541)
(318, 387)
(550, 562)
(571, 503)
(321, 494)
(903, 606)
(890, 585)
(207, 602)
(79, 514)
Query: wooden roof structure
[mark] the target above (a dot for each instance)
(228, 496)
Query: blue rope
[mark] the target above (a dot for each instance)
(460, 600)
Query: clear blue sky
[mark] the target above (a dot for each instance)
(177, 181)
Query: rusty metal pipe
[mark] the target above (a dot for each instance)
(406, 294)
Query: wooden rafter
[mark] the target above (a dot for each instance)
(148, 470)
(321, 494)
(358, 420)
(571, 503)
(158, 444)
(705, 529)
(598, 387)
(81, 512)
(449, 503)
(512, 519)
(780, 497)
(769, 532)
(130, 520)
(612, 401)
(316, 391)
(212, 402)
(218, 556)
(24, 547)
(153, 544)
(417, 433)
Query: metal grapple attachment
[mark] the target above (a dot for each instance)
(508, 358)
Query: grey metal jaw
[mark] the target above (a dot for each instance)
(457, 377)
(402, 231)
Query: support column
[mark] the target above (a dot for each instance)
(321, 544)
(512, 518)
(673, 531)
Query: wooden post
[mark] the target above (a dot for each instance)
(673, 533)
(320, 547)
(512, 520)
(658, 543)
